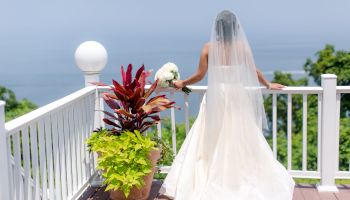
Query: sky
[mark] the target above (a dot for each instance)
(38, 38)
(154, 25)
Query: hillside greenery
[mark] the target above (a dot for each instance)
(14, 108)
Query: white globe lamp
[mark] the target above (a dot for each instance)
(91, 57)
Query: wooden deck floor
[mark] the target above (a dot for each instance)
(301, 192)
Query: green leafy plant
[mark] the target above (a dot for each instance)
(124, 149)
(124, 161)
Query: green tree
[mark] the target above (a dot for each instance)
(330, 61)
(13, 107)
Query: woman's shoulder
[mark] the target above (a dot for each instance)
(205, 48)
(206, 45)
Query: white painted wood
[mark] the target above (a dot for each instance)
(76, 125)
(35, 162)
(62, 154)
(77, 134)
(26, 164)
(20, 122)
(304, 165)
(73, 141)
(294, 90)
(68, 151)
(49, 157)
(337, 132)
(274, 124)
(99, 106)
(342, 175)
(85, 129)
(343, 89)
(289, 131)
(11, 167)
(42, 161)
(328, 140)
(56, 156)
(304, 174)
(173, 125)
(81, 141)
(187, 118)
(319, 130)
(18, 183)
(159, 124)
(5, 186)
(93, 157)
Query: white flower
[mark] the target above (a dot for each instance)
(167, 74)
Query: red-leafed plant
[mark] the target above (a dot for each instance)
(127, 157)
(132, 105)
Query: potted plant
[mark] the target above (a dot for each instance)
(127, 157)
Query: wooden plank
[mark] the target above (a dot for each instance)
(35, 162)
(42, 161)
(344, 192)
(309, 192)
(26, 164)
(297, 195)
(327, 196)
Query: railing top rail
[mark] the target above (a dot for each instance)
(286, 90)
(343, 89)
(295, 90)
(19, 122)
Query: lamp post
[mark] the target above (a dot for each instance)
(91, 57)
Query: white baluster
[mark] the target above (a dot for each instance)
(289, 132)
(304, 132)
(274, 124)
(173, 125)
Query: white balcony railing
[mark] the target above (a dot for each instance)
(43, 154)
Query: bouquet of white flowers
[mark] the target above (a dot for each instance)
(167, 74)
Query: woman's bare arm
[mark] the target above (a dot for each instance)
(201, 71)
(262, 80)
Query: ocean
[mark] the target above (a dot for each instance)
(44, 72)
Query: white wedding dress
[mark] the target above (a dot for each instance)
(225, 155)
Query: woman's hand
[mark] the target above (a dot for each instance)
(275, 86)
(178, 84)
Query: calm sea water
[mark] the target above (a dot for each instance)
(43, 72)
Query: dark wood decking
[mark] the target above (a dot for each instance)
(301, 192)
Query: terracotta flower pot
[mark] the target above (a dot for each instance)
(142, 193)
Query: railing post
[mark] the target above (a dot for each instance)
(4, 161)
(91, 57)
(329, 141)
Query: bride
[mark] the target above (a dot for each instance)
(225, 154)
